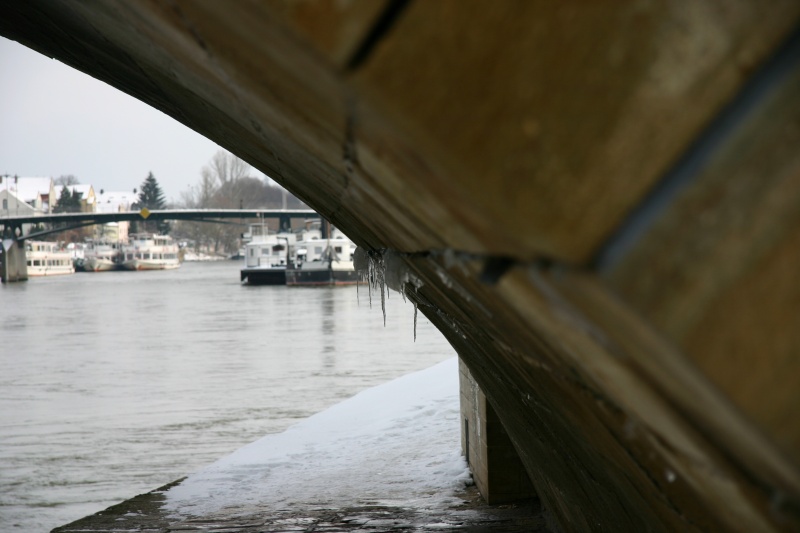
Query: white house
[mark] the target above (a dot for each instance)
(13, 206)
(37, 192)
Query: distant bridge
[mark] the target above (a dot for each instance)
(11, 224)
(13, 265)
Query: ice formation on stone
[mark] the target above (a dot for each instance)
(383, 269)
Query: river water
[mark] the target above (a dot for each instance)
(115, 383)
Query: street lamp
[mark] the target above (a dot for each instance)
(5, 202)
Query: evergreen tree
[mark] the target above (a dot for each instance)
(152, 197)
(68, 201)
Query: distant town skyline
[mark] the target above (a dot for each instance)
(58, 121)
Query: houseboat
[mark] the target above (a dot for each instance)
(321, 261)
(47, 259)
(146, 251)
(266, 256)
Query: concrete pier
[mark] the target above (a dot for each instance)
(13, 265)
(496, 467)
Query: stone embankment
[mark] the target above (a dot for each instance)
(143, 514)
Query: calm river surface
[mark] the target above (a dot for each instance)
(116, 383)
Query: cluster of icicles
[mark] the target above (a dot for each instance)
(383, 270)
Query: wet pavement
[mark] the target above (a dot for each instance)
(143, 514)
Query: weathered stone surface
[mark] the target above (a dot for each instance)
(474, 137)
(143, 514)
(555, 119)
(716, 271)
(496, 467)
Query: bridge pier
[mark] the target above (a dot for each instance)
(13, 264)
(496, 468)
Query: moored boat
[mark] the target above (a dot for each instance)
(76, 250)
(266, 256)
(47, 259)
(101, 256)
(320, 262)
(146, 251)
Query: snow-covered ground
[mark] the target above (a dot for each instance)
(396, 444)
(194, 256)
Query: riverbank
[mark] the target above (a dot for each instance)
(144, 513)
(131, 380)
(386, 459)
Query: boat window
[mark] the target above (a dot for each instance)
(338, 249)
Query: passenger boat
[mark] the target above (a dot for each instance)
(266, 256)
(146, 251)
(323, 262)
(101, 256)
(47, 259)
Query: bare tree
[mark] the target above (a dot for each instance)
(66, 179)
(200, 196)
(225, 183)
(227, 168)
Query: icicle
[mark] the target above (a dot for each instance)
(370, 279)
(383, 300)
(415, 321)
(384, 270)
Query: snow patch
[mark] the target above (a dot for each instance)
(395, 444)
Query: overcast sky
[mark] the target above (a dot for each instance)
(55, 121)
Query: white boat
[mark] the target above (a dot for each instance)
(321, 261)
(266, 256)
(47, 259)
(146, 251)
(101, 256)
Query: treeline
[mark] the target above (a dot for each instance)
(227, 183)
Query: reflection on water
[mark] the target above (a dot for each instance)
(116, 383)
(328, 344)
